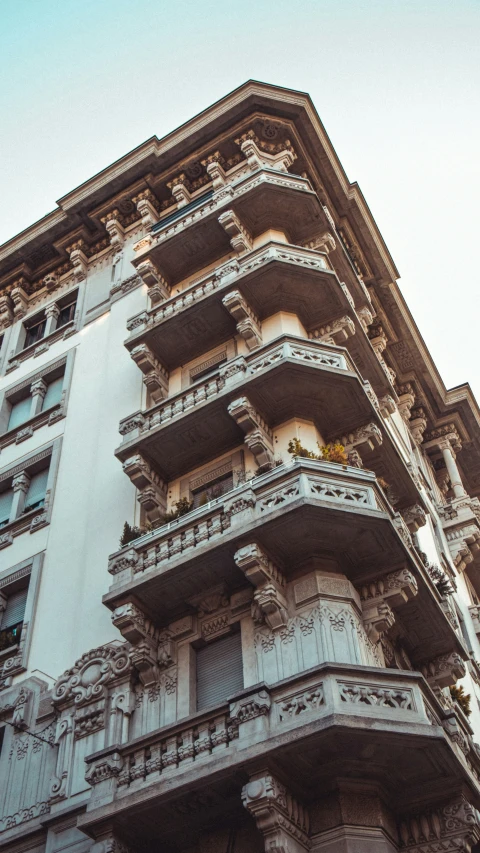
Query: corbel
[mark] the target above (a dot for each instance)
(50, 281)
(381, 596)
(379, 341)
(180, 190)
(269, 602)
(135, 627)
(366, 438)
(366, 316)
(406, 400)
(387, 405)
(248, 326)
(155, 376)
(153, 490)
(146, 204)
(114, 228)
(6, 311)
(214, 168)
(258, 159)
(414, 517)
(78, 259)
(336, 332)
(258, 436)
(158, 289)
(453, 825)
(240, 239)
(444, 670)
(282, 820)
(19, 297)
(325, 243)
(418, 423)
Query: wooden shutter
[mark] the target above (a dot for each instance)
(53, 394)
(219, 671)
(15, 609)
(20, 412)
(36, 490)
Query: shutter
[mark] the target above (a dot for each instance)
(36, 490)
(6, 499)
(219, 671)
(54, 393)
(15, 609)
(20, 412)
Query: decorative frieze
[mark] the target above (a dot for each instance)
(450, 828)
(248, 326)
(269, 602)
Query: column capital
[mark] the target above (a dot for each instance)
(443, 437)
(21, 482)
(38, 388)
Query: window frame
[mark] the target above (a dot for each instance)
(44, 417)
(22, 352)
(34, 519)
(13, 660)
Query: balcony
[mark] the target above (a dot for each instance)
(312, 728)
(289, 377)
(275, 277)
(193, 236)
(297, 513)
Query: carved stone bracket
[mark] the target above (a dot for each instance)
(158, 289)
(414, 517)
(114, 228)
(19, 298)
(213, 609)
(6, 311)
(325, 243)
(336, 332)
(78, 259)
(146, 204)
(461, 523)
(214, 168)
(180, 189)
(258, 436)
(153, 490)
(365, 438)
(444, 670)
(282, 820)
(269, 602)
(450, 827)
(148, 655)
(257, 158)
(155, 375)
(240, 238)
(381, 595)
(109, 843)
(248, 326)
(418, 423)
(366, 316)
(406, 400)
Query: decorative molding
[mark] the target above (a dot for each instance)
(240, 239)
(86, 681)
(248, 326)
(444, 670)
(336, 332)
(282, 820)
(269, 602)
(451, 828)
(258, 436)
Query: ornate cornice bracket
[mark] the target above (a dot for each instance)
(240, 238)
(155, 375)
(248, 326)
(379, 596)
(444, 670)
(153, 490)
(269, 602)
(283, 821)
(158, 289)
(451, 827)
(258, 436)
(336, 332)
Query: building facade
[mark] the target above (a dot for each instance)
(239, 515)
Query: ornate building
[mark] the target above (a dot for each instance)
(207, 341)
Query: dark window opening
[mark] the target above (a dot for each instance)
(67, 314)
(212, 490)
(35, 333)
(219, 671)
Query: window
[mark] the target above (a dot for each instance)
(35, 497)
(19, 412)
(213, 489)
(219, 671)
(12, 620)
(6, 499)
(53, 394)
(35, 333)
(66, 314)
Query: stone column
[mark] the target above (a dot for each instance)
(52, 314)
(38, 389)
(452, 468)
(20, 486)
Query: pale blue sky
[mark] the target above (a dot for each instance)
(396, 83)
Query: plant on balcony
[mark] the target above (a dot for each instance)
(461, 698)
(440, 579)
(130, 533)
(328, 452)
(183, 506)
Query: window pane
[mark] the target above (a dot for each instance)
(219, 671)
(20, 412)
(6, 499)
(213, 490)
(66, 314)
(15, 609)
(54, 393)
(36, 491)
(34, 334)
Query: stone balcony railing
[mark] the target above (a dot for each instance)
(282, 723)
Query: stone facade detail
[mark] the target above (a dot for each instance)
(155, 376)
(240, 239)
(258, 436)
(281, 819)
(452, 827)
(248, 326)
(269, 603)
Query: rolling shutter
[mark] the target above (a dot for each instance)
(20, 412)
(36, 490)
(53, 394)
(219, 671)
(15, 609)
(6, 499)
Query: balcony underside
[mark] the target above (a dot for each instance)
(267, 201)
(398, 750)
(272, 279)
(299, 531)
(333, 399)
